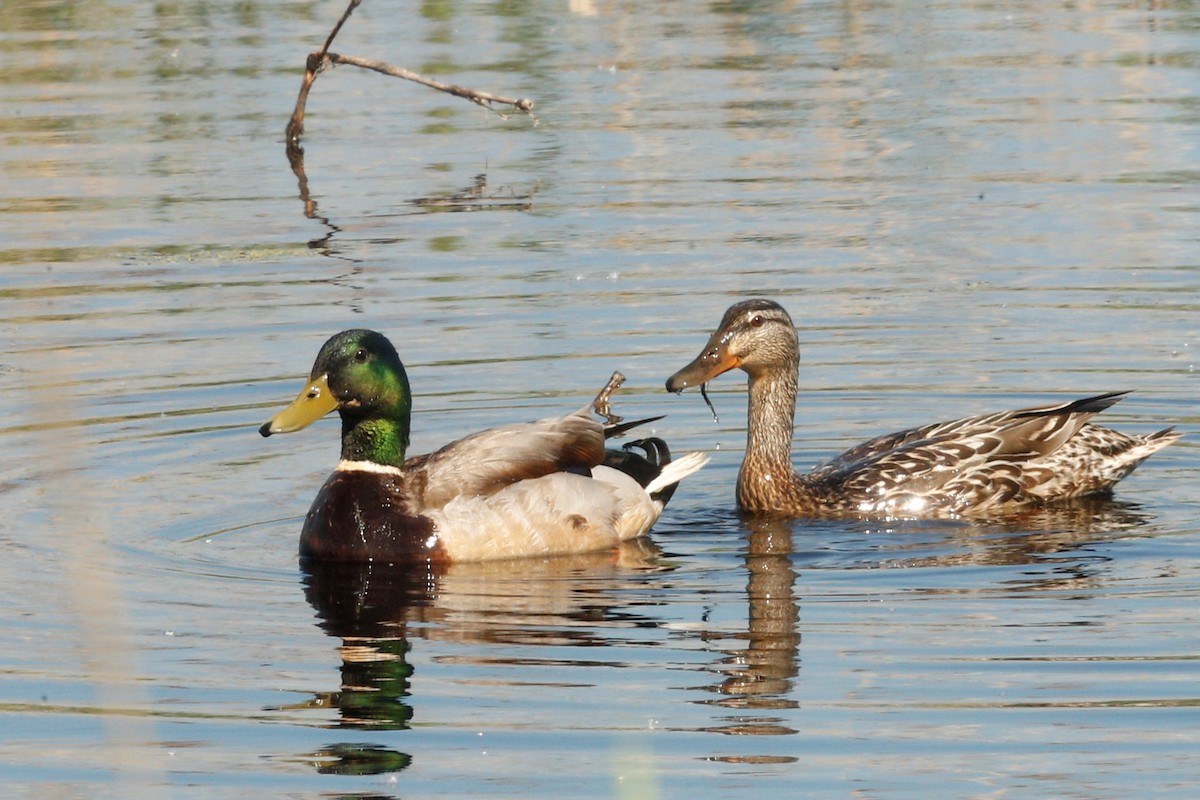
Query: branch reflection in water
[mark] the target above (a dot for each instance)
(476, 196)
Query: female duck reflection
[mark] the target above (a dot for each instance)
(760, 676)
(1054, 546)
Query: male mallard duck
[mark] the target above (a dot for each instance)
(520, 490)
(974, 466)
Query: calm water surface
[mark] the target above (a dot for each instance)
(965, 206)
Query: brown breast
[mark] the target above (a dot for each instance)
(364, 516)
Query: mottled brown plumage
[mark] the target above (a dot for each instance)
(989, 464)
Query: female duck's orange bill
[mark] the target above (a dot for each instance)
(712, 361)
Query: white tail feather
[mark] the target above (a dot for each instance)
(676, 471)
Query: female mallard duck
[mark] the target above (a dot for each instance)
(976, 466)
(520, 490)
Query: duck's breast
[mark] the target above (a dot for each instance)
(366, 515)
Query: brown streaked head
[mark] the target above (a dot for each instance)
(755, 336)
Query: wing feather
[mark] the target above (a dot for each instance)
(485, 462)
(1001, 456)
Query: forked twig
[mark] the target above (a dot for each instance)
(314, 65)
(322, 60)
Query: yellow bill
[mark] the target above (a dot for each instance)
(315, 401)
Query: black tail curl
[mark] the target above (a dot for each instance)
(642, 468)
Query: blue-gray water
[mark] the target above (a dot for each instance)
(965, 206)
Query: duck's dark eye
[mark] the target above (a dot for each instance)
(756, 321)
(361, 356)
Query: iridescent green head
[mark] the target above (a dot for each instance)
(358, 373)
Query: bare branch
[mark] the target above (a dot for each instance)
(336, 28)
(482, 98)
(314, 65)
(322, 60)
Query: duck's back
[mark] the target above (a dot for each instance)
(980, 464)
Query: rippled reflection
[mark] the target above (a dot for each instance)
(758, 677)
(967, 206)
(1053, 539)
(377, 611)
